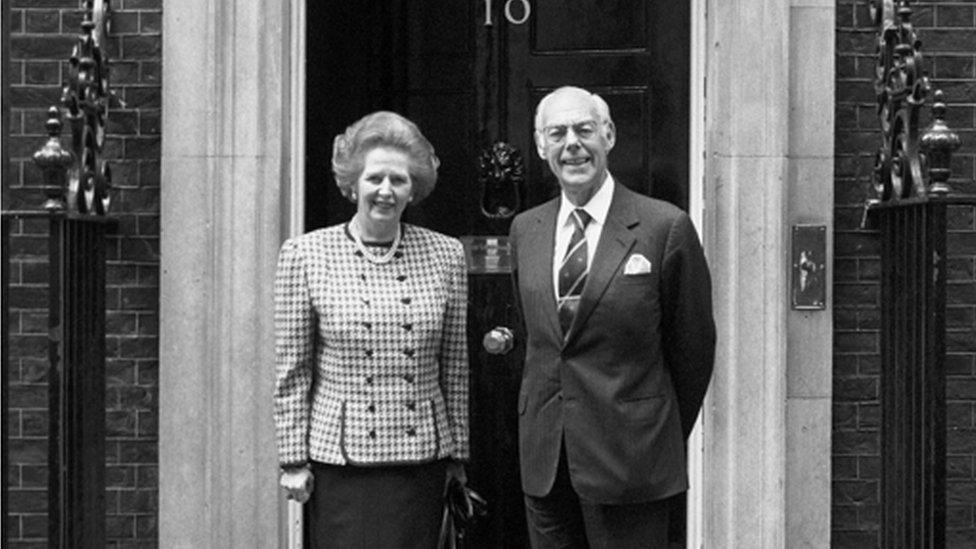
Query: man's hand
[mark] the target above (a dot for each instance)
(298, 483)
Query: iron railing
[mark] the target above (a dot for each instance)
(913, 383)
(910, 208)
(76, 372)
(77, 184)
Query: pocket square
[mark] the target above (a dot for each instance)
(636, 265)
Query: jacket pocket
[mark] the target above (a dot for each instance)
(642, 409)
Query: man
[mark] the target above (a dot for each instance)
(615, 298)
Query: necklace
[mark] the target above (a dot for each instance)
(374, 258)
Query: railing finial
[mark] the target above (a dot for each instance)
(909, 163)
(77, 179)
(938, 142)
(53, 160)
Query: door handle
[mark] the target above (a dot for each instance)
(498, 341)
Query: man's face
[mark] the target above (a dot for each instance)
(575, 142)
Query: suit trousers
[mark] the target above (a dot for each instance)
(561, 520)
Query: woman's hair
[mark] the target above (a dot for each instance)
(384, 129)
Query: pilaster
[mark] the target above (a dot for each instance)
(810, 333)
(746, 171)
(225, 127)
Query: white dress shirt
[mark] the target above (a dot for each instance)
(598, 207)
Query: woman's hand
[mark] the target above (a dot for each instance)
(298, 483)
(456, 470)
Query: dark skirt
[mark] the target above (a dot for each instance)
(376, 507)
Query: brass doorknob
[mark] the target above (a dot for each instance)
(498, 341)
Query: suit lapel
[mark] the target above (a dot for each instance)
(616, 240)
(538, 252)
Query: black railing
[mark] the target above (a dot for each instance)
(76, 371)
(913, 383)
(910, 209)
(77, 183)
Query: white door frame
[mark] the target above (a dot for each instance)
(294, 219)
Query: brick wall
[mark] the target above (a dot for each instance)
(948, 34)
(42, 35)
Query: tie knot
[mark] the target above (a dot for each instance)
(581, 218)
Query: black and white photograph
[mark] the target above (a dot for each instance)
(488, 274)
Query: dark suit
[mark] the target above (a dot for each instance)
(624, 387)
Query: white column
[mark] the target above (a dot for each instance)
(747, 136)
(810, 333)
(225, 130)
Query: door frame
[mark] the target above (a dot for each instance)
(293, 218)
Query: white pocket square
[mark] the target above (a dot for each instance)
(637, 264)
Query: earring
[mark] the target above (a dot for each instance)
(352, 195)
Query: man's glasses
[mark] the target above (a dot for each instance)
(556, 134)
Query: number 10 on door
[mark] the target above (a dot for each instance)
(526, 11)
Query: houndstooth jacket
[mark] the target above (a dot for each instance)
(371, 359)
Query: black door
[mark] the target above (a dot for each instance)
(468, 84)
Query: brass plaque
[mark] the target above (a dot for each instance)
(487, 254)
(809, 280)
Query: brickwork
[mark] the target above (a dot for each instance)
(28, 397)
(948, 34)
(42, 35)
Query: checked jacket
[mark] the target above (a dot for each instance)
(371, 359)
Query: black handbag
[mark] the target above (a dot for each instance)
(462, 507)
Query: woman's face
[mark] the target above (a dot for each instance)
(384, 188)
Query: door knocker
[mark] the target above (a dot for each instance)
(501, 173)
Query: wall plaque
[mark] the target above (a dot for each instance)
(809, 280)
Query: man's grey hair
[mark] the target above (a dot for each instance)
(602, 109)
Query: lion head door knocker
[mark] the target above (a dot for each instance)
(501, 174)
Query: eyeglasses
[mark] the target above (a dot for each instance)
(556, 134)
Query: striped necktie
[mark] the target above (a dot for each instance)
(572, 270)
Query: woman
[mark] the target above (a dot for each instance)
(371, 393)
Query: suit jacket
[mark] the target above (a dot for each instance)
(371, 360)
(624, 386)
